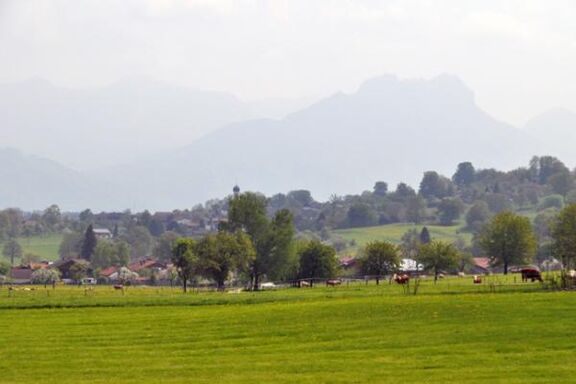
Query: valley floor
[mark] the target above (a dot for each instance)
(453, 332)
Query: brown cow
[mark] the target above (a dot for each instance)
(401, 279)
(333, 282)
(531, 274)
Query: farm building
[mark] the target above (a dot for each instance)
(146, 264)
(21, 275)
(481, 266)
(410, 265)
(102, 233)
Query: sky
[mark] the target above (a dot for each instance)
(517, 55)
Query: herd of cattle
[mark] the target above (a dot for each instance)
(528, 274)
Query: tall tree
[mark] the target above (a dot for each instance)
(477, 215)
(12, 250)
(438, 256)
(361, 215)
(464, 175)
(221, 254)
(563, 233)
(88, 243)
(508, 239)
(185, 260)
(272, 239)
(561, 182)
(449, 210)
(317, 260)
(380, 258)
(434, 185)
(415, 209)
(380, 188)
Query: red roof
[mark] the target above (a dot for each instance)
(143, 264)
(347, 261)
(106, 272)
(42, 265)
(482, 262)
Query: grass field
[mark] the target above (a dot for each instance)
(394, 232)
(451, 332)
(44, 246)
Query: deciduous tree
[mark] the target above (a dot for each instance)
(508, 239)
(12, 250)
(185, 260)
(221, 254)
(438, 256)
(317, 260)
(380, 258)
(563, 233)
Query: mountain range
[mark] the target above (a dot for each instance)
(389, 129)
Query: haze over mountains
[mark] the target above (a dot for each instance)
(390, 129)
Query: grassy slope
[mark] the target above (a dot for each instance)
(44, 246)
(344, 335)
(394, 232)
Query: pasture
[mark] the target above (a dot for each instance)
(44, 246)
(454, 331)
(393, 233)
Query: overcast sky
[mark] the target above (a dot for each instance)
(518, 56)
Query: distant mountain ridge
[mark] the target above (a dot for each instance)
(98, 125)
(389, 129)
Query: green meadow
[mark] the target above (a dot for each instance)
(393, 233)
(46, 247)
(502, 331)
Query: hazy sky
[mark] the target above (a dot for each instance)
(518, 56)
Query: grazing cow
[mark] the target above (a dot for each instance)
(303, 283)
(333, 282)
(477, 280)
(531, 274)
(118, 287)
(401, 279)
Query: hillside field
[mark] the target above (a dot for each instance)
(44, 246)
(451, 332)
(394, 232)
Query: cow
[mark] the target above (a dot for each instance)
(303, 283)
(531, 274)
(477, 280)
(118, 287)
(333, 282)
(401, 279)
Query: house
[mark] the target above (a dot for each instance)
(21, 275)
(410, 266)
(107, 272)
(102, 233)
(348, 262)
(481, 266)
(139, 265)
